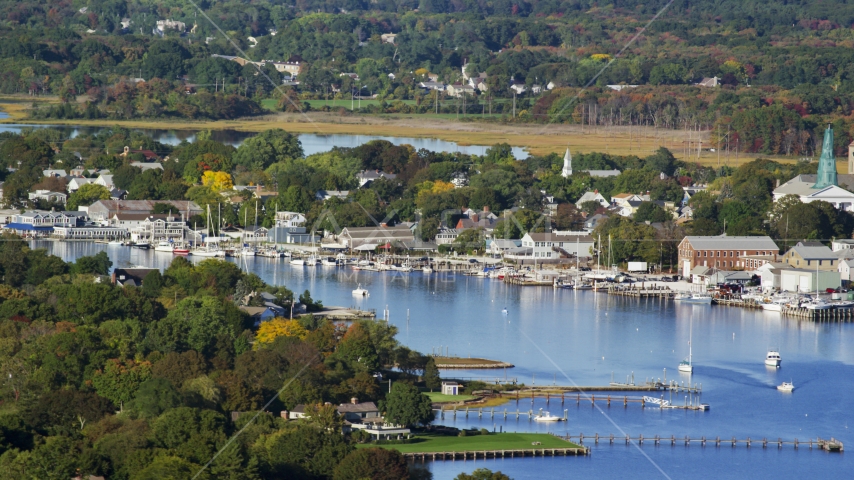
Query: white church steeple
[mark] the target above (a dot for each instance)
(567, 164)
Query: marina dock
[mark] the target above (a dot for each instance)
(831, 445)
(473, 455)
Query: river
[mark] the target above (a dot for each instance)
(311, 143)
(582, 337)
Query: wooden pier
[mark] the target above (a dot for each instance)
(831, 445)
(641, 291)
(473, 455)
(830, 315)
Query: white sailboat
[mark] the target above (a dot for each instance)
(686, 365)
(211, 248)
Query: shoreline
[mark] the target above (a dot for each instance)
(458, 363)
(535, 139)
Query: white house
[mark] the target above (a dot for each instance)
(549, 245)
(593, 196)
(54, 173)
(48, 196)
(802, 187)
(289, 219)
(842, 244)
(451, 388)
(76, 183)
(500, 246)
(324, 195)
(106, 181)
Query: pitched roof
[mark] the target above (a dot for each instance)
(358, 407)
(814, 253)
(552, 237)
(724, 242)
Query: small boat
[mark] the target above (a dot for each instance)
(163, 247)
(773, 306)
(547, 417)
(298, 262)
(427, 269)
(843, 305)
(248, 252)
(687, 365)
(697, 298)
(816, 304)
(786, 387)
(202, 252)
(329, 262)
(142, 245)
(312, 261)
(504, 311)
(360, 292)
(180, 251)
(772, 359)
(115, 243)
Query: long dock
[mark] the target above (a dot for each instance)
(641, 291)
(473, 455)
(833, 314)
(831, 445)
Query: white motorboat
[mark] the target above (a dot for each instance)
(202, 252)
(427, 269)
(298, 262)
(115, 243)
(142, 245)
(773, 306)
(698, 298)
(163, 247)
(360, 292)
(248, 252)
(329, 262)
(817, 304)
(772, 359)
(547, 417)
(845, 304)
(786, 387)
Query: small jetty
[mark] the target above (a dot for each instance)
(451, 363)
(831, 314)
(345, 313)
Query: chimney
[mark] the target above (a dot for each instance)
(354, 401)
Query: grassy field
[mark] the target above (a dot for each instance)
(437, 397)
(497, 441)
(536, 139)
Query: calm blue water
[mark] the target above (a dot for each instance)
(311, 143)
(583, 337)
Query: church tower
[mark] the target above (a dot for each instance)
(826, 163)
(567, 164)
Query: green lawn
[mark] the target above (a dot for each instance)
(437, 397)
(497, 441)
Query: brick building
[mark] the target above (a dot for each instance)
(723, 252)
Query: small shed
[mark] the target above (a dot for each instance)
(451, 388)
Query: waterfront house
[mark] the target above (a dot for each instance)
(451, 388)
(722, 251)
(841, 244)
(357, 236)
(499, 246)
(811, 256)
(289, 219)
(552, 246)
(357, 412)
(260, 314)
(446, 236)
(103, 210)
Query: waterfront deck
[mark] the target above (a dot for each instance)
(831, 445)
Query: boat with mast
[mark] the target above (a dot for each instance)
(686, 365)
(211, 248)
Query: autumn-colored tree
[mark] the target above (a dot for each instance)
(217, 181)
(278, 327)
(120, 379)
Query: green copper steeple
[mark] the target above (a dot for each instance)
(827, 163)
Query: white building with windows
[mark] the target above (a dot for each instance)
(551, 246)
(802, 187)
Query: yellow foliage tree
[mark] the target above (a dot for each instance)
(433, 188)
(421, 72)
(279, 327)
(601, 56)
(217, 181)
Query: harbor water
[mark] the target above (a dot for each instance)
(564, 337)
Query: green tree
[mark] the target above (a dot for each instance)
(170, 467)
(373, 463)
(120, 379)
(431, 375)
(155, 396)
(152, 284)
(98, 264)
(87, 195)
(651, 212)
(267, 148)
(482, 474)
(405, 405)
